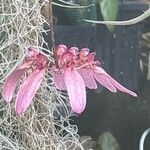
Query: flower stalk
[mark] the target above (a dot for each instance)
(52, 38)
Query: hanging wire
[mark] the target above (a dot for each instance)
(142, 139)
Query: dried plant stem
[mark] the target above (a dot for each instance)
(52, 30)
(7, 141)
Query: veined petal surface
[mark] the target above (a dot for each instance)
(104, 81)
(88, 78)
(76, 90)
(59, 81)
(28, 90)
(117, 85)
(10, 84)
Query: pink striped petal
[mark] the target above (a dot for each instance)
(76, 90)
(59, 81)
(28, 90)
(88, 78)
(103, 80)
(121, 88)
(10, 84)
(117, 85)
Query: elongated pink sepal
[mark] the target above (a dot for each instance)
(28, 90)
(88, 78)
(100, 71)
(103, 80)
(59, 81)
(121, 88)
(76, 90)
(10, 84)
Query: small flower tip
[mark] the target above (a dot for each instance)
(78, 112)
(19, 111)
(74, 50)
(61, 49)
(134, 94)
(84, 52)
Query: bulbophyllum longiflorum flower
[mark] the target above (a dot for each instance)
(76, 70)
(34, 67)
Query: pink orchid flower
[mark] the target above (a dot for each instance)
(77, 70)
(34, 67)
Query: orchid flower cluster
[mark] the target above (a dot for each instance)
(77, 70)
(73, 71)
(33, 67)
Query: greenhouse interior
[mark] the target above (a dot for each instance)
(75, 74)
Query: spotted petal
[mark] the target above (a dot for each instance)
(28, 90)
(10, 84)
(76, 90)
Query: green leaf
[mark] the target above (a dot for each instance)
(109, 10)
(107, 141)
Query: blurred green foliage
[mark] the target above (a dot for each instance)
(109, 10)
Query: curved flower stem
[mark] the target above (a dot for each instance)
(142, 139)
(138, 19)
(72, 6)
(68, 3)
